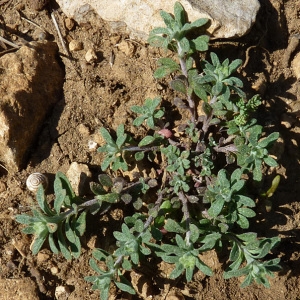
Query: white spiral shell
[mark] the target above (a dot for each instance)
(34, 180)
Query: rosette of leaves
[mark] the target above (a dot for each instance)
(148, 112)
(114, 149)
(252, 150)
(173, 37)
(248, 248)
(111, 274)
(62, 225)
(228, 203)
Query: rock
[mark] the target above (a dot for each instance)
(62, 292)
(91, 56)
(78, 174)
(31, 82)
(54, 270)
(296, 65)
(69, 23)
(231, 19)
(42, 257)
(75, 45)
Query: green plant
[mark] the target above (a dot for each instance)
(204, 177)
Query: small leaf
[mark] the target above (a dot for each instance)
(146, 141)
(125, 285)
(39, 241)
(126, 198)
(247, 212)
(156, 41)
(126, 265)
(52, 244)
(41, 199)
(25, 219)
(184, 47)
(139, 156)
(100, 255)
(203, 267)
(201, 43)
(80, 224)
(243, 222)
(59, 200)
(179, 13)
(105, 180)
(271, 162)
(168, 19)
(159, 30)
(173, 226)
(63, 244)
(166, 67)
(110, 198)
(268, 140)
(178, 85)
(70, 234)
(106, 135)
(198, 23)
(139, 226)
(176, 272)
(216, 207)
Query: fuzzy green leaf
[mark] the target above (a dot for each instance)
(201, 43)
(146, 140)
(124, 285)
(63, 244)
(42, 201)
(271, 162)
(39, 241)
(178, 85)
(179, 13)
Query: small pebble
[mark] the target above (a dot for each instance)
(54, 270)
(41, 257)
(83, 130)
(79, 175)
(75, 45)
(62, 292)
(91, 56)
(69, 23)
(92, 145)
(127, 48)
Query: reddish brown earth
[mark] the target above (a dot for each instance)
(95, 95)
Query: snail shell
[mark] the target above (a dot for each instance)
(34, 180)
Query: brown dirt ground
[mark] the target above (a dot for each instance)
(101, 95)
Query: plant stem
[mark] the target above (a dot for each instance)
(186, 215)
(150, 218)
(191, 102)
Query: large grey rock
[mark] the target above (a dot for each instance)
(230, 19)
(31, 81)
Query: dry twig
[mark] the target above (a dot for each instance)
(59, 34)
(9, 43)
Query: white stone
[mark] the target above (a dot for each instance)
(91, 56)
(78, 175)
(228, 18)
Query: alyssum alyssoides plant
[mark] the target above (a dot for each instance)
(202, 176)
